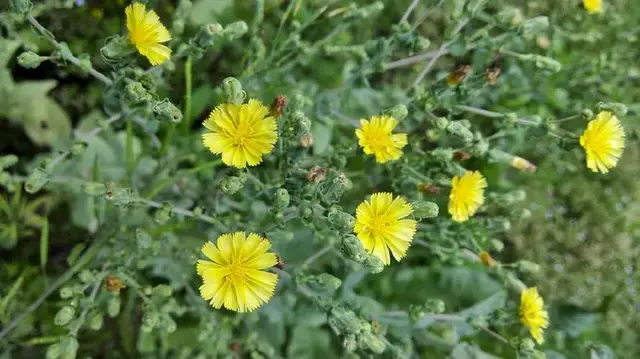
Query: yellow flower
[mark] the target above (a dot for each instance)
(375, 138)
(603, 141)
(147, 33)
(380, 226)
(235, 277)
(467, 195)
(593, 6)
(242, 133)
(532, 313)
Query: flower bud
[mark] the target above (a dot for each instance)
(299, 102)
(163, 214)
(345, 320)
(325, 283)
(21, 7)
(113, 306)
(29, 60)
(301, 123)
(282, 198)
(232, 89)
(587, 114)
(64, 315)
(78, 148)
(619, 109)
(369, 341)
(434, 305)
(38, 179)
(442, 154)
(399, 112)
(373, 264)
(306, 141)
(66, 292)
(54, 351)
(423, 209)
(69, 348)
(522, 164)
(230, 185)
(235, 30)
(166, 111)
(306, 210)
(547, 63)
(528, 266)
(350, 344)
(342, 221)
(94, 188)
(497, 245)
(136, 93)
(116, 49)
(96, 321)
(352, 248)
(207, 36)
(457, 129)
(162, 291)
(86, 276)
(8, 161)
(440, 122)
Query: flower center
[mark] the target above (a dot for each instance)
(379, 225)
(236, 273)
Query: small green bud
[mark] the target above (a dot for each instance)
(64, 315)
(342, 221)
(69, 347)
(442, 154)
(478, 321)
(349, 343)
(66, 292)
(86, 276)
(78, 148)
(527, 344)
(299, 102)
(8, 161)
(163, 214)
(497, 245)
(373, 264)
(369, 341)
(345, 320)
(235, 30)
(433, 305)
(54, 351)
(329, 281)
(282, 198)
(440, 122)
(116, 49)
(511, 117)
(207, 36)
(113, 306)
(528, 266)
(619, 109)
(306, 210)
(480, 148)
(29, 60)
(38, 179)
(166, 111)
(457, 129)
(232, 88)
(301, 123)
(94, 188)
(230, 185)
(399, 112)
(423, 209)
(514, 283)
(96, 321)
(21, 7)
(352, 247)
(162, 290)
(136, 93)
(587, 115)
(547, 63)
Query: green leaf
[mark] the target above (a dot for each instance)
(201, 100)
(466, 351)
(44, 243)
(208, 11)
(322, 134)
(572, 319)
(75, 253)
(46, 123)
(7, 48)
(310, 343)
(601, 351)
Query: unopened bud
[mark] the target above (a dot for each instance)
(399, 112)
(69, 348)
(96, 321)
(29, 60)
(547, 63)
(232, 89)
(78, 148)
(528, 266)
(163, 214)
(325, 283)
(64, 315)
(522, 164)
(136, 93)
(54, 351)
(370, 342)
(162, 291)
(301, 123)
(306, 210)
(38, 179)
(235, 30)
(299, 102)
(166, 111)
(497, 245)
(113, 306)
(434, 305)
(423, 209)
(457, 129)
(207, 36)
(373, 264)
(441, 122)
(279, 105)
(230, 185)
(442, 154)
(282, 198)
(116, 49)
(353, 249)
(306, 141)
(619, 109)
(342, 221)
(21, 7)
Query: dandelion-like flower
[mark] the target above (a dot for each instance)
(532, 313)
(234, 278)
(381, 226)
(603, 142)
(592, 6)
(467, 195)
(147, 33)
(242, 133)
(375, 138)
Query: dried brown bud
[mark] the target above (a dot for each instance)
(306, 141)
(428, 188)
(279, 104)
(458, 75)
(522, 164)
(281, 264)
(486, 259)
(316, 174)
(492, 73)
(461, 156)
(113, 284)
(235, 347)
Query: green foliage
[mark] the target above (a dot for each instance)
(122, 204)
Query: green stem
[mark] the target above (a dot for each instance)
(188, 83)
(172, 179)
(185, 212)
(479, 111)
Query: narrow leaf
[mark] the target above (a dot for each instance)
(44, 243)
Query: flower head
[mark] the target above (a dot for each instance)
(603, 141)
(467, 195)
(375, 138)
(592, 6)
(380, 226)
(235, 277)
(487, 259)
(532, 313)
(147, 33)
(242, 133)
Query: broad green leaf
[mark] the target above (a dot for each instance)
(46, 122)
(7, 48)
